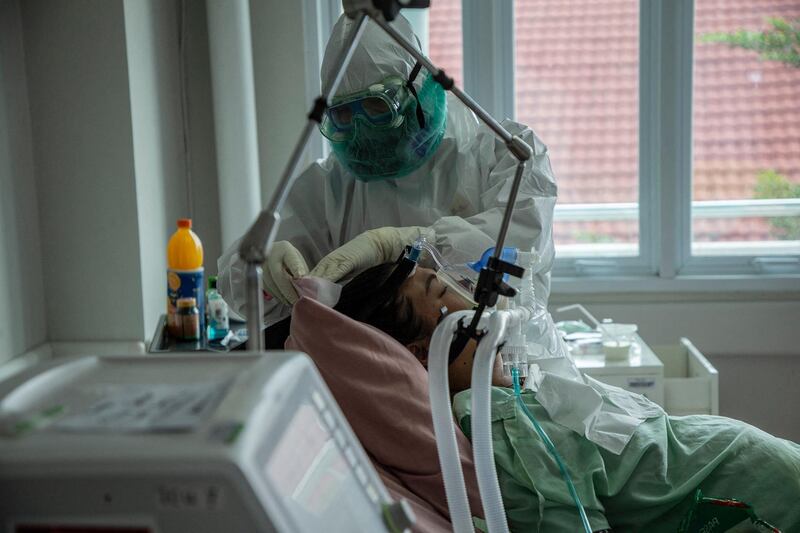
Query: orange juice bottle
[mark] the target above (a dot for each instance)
(184, 274)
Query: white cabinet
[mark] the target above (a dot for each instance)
(677, 377)
(691, 383)
(642, 372)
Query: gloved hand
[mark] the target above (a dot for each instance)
(283, 264)
(373, 247)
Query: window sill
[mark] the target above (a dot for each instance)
(768, 287)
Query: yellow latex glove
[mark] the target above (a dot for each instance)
(283, 264)
(373, 247)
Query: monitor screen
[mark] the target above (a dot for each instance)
(317, 485)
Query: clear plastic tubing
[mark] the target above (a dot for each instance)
(552, 449)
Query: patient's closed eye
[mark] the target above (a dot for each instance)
(428, 283)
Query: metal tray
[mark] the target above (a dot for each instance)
(162, 342)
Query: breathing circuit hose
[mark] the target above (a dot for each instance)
(552, 449)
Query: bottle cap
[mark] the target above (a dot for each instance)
(212, 282)
(185, 223)
(186, 302)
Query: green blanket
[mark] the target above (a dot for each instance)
(649, 487)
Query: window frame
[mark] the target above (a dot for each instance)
(666, 61)
(319, 18)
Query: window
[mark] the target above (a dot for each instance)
(746, 131)
(576, 82)
(445, 48)
(677, 153)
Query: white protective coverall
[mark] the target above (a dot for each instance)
(461, 194)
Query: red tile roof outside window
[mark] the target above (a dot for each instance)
(746, 115)
(445, 41)
(576, 85)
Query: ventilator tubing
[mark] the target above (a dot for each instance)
(482, 448)
(443, 426)
(500, 324)
(497, 326)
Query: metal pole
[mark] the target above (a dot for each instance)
(254, 308)
(512, 198)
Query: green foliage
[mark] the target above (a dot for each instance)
(770, 184)
(781, 42)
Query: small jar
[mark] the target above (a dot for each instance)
(618, 339)
(189, 319)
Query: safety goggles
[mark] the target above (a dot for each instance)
(380, 105)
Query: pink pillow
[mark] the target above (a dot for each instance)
(383, 391)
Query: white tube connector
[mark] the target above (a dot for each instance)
(515, 350)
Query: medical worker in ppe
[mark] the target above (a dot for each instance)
(407, 160)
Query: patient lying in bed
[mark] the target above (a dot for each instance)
(649, 486)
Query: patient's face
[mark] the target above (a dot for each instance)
(427, 296)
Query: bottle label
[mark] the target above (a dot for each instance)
(218, 315)
(183, 284)
(190, 324)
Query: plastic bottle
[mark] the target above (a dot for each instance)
(189, 317)
(184, 275)
(217, 310)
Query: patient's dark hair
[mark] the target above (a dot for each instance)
(366, 298)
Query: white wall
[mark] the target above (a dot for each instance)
(280, 78)
(103, 82)
(163, 145)
(202, 155)
(22, 313)
(151, 33)
(83, 148)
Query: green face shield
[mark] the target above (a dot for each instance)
(381, 135)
